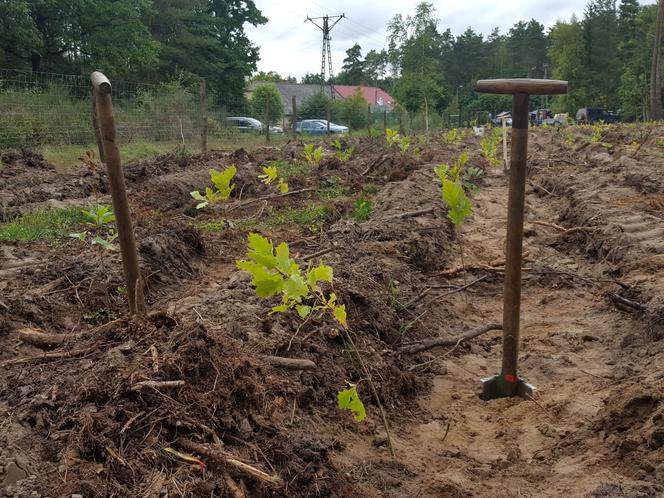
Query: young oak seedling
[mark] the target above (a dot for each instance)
(454, 195)
(222, 182)
(274, 272)
(393, 138)
(342, 155)
(270, 174)
(489, 145)
(312, 156)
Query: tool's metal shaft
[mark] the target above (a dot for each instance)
(515, 216)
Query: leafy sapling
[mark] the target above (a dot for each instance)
(342, 155)
(271, 174)
(100, 217)
(452, 137)
(362, 211)
(312, 156)
(454, 195)
(392, 137)
(275, 273)
(224, 188)
(489, 145)
(469, 179)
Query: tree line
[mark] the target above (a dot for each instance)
(138, 40)
(606, 55)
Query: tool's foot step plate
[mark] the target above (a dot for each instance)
(497, 387)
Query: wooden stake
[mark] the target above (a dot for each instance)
(204, 122)
(102, 89)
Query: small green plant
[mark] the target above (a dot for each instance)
(489, 145)
(342, 155)
(270, 174)
(349, 399)
(336, 144)
(392, 137)
(454, 195)
(469, 179)
(311, 155)
(452, 137)
(222, 182)
(404, 144)
(363, 209)
(100, 217)
(275, 273)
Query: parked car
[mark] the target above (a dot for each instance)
(499, 122)
(245, 124)
(589, 115)
(318, 127)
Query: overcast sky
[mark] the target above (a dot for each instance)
(292, 47)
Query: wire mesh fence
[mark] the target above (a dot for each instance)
(38, 109)
(47, 109)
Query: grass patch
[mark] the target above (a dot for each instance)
(331, 188)
(41, 225)
(311, 215)
(288, 170)
(370, 189)
(211, 226)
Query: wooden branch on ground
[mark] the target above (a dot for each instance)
(219, 455)
(494, 266)
(447, 341)
(318, 253)
(565, 231)
(411, 214)
(48, 356)
(453, 291)
(618, 299)
(268, 197)
(157, 384)
(291, 363)
(41, 339)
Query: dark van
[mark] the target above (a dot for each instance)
(590, 115)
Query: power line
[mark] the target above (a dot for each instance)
(326, 28)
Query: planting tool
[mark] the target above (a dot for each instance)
(508, 384)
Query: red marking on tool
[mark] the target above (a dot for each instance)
(510, 378)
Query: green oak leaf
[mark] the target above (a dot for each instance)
(349, 399)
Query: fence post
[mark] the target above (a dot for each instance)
(267, 120)
(102, 89)
(348, 120)
(327, 111)
(204, 121)
(95, 125)
(400, 123)
(294, 105)
(369, 119)
(385, 122)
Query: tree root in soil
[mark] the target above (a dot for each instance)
(447, 341)
(221, 456)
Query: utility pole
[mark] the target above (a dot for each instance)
(546, 77)
(326, 28)
(656, 67)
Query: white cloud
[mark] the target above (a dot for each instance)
(291, 46)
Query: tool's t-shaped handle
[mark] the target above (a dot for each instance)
(522, 85)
